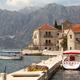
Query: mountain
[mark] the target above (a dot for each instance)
(16, 27)
(28, 10)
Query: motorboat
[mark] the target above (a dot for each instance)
(10, 54)
(70, 59)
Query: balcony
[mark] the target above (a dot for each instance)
(48, 36)
(48, 44)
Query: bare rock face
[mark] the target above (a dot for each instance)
(21, 24)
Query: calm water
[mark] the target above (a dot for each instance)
(14, 65)
(67, 75)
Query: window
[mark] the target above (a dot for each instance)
(78, 39)
(70, 48)
(50, 48)
(35, 36)
(46, 33)
(57, 33)
(70, 36)
(45, 47)
(49, 33)
(57, 41)
(46, 41)
(49, 41)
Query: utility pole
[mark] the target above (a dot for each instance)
(62, 35)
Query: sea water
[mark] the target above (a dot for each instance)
(15, 65)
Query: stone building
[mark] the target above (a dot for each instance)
(45, 37)
(76, 30)
(73, 37)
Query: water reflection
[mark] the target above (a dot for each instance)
(67, 75)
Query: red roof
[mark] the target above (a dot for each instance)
(76, 27)
(72, 52)
(46, 27)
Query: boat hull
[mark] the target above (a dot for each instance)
(70, 65)
(10, 57)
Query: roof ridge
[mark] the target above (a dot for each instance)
(46, 26)
(75, 27)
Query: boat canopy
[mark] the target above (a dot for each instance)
(72, 52)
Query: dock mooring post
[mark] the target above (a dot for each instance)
(5, 74)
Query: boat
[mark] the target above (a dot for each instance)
(10, 54)
(70, 59)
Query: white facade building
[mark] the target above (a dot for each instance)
(73, 37)
(70, 39)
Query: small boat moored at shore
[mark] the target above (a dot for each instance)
(70, 59)
(10, 54)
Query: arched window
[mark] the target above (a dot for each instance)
(46, 33)
(46, 41)
(49, 41)
(49, 33)
(70, 36)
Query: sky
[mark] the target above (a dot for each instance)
(19, 4)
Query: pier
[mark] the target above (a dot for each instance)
(52, 64)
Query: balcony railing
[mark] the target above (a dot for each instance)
(48, 36)
(48, 44)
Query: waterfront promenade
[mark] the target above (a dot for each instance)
(31, 52)
(23, 74)
(40, 52)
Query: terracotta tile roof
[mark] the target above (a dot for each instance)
(46, 27)
(76, 27)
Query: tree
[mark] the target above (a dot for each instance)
(56, 26)
(64, 43)
(59, 27)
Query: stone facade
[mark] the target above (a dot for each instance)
(48, 37)
(77, 40)
(73, 37)
(70, 39)
(45, 37)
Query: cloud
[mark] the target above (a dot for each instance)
(17, 4)
(68, 2)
